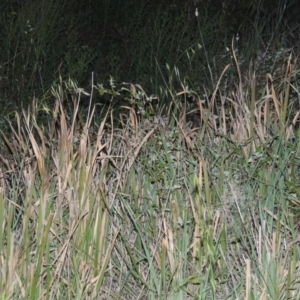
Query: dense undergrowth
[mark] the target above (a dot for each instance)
(190, 191)
(155, 206)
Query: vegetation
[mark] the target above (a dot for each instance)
(187, 192)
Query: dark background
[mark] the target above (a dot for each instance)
(145, 42)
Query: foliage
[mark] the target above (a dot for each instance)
(190, 192)
(157, 207)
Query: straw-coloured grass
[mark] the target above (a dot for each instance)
(154, 206)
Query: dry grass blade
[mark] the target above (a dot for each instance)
(9, 145)
(138, 148)
(62, 255)
(39, 156)
(98, 281)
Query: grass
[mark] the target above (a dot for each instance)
(168, 196)
(154, 206)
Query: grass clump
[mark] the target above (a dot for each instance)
(159, 205)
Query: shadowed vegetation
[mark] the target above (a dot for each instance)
(187, 192)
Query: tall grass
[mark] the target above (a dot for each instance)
(154, 206)
(196, 197)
